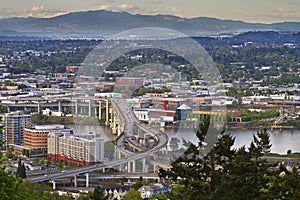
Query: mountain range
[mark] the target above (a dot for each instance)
(103, 23)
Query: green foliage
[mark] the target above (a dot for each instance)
(10, 153)
(174, 144)
(96, 194)
(252, 116)
(12, 188)
(227, 173)
(36, 160)
(142, 90)
(42, 161)
(159, 197)
(132, 194)
(25, 152)
(21, 170)
(109, 150)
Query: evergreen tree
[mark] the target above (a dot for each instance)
(221, 172)
(21, 170)
(200, 168)
(98, 194)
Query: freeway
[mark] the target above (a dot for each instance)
(124, 175)
(128, 136)
(87, 169)
(130, 122)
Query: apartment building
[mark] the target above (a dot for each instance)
(14, 125)
(35, 139)
(79, 149)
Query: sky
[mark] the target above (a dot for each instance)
(264, 11)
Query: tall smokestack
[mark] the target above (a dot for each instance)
(165, 104)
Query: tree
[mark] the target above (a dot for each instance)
(25, 152)
(132, 194)
(221, 172)
(21, 170)
(36, 160)
(160, 197)
(42, 161)
(196, 167)
(98, 194)
(10, 153)
(174, 144)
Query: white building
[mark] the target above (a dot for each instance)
(80, 149)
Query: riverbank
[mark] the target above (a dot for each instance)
(274, 157)
(41, 119)
(260, 127)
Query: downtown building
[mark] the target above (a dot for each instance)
(35, 139)
(14, 125)
(79, 149)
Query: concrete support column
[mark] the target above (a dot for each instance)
(59, 106)
(100, 115)
(154, 168)
(133, 166)
(76, 107)
(144, 165)
(128, 167)
(87, 180)
(75, 180)
(53, 185)
(38, 108)
(107, 111)
(90, 108)
(112, 119)
(113, 124)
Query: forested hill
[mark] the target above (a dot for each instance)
(104, 23)
(259, 37)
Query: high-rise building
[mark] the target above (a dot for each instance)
(14, 125)
(80, 149)
(35, 139)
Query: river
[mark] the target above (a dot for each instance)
(282, 141)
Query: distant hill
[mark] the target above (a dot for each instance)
(102, 23)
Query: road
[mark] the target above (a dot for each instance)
(130, 121)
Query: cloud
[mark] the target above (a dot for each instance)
(125, 6)
(38, 8)
(40, 11)
(121, 7)
(105, 7)
(283, 14)
(6, 13)
(176, 10)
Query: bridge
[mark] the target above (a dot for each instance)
(135, 141)
(78, 106)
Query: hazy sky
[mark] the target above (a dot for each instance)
(247, 10)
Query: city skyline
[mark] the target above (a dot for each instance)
(266, 11)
